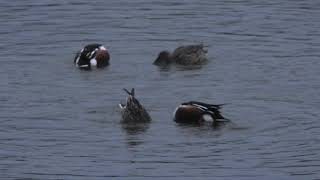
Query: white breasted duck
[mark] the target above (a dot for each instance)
(183, 55)
(92, 55)
(133, 111)
(194, 112)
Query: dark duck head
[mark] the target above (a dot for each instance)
(194, 112)
(91, 56)
(183, 55)
(164, 58)
(133, 111)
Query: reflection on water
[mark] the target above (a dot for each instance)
(135, 128)
(133, 132)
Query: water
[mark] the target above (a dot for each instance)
(58, 122)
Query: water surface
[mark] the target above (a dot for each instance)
(58, 122)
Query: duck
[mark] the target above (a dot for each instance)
(195, 112)
(133, 111)
(183, 55)
(92, 56)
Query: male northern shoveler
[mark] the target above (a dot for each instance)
(194, 112)
(92, 55)
(183, 55)
(133, 111)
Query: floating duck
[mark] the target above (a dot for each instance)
(133, 111)
(183, 55)
(194, 112)
(92, 55)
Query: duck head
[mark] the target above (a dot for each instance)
(92, 55)
(164, 58)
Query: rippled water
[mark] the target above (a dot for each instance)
(58, 122)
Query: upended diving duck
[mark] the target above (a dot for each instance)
(183, 55)
(133, 111)
(92, 56)
(194, 112)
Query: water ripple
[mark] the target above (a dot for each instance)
(58, 122)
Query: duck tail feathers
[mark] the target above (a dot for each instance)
(131, 93)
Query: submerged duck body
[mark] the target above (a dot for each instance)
(133, 111)
(183, 55)
(194, 112)
(92, 55)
